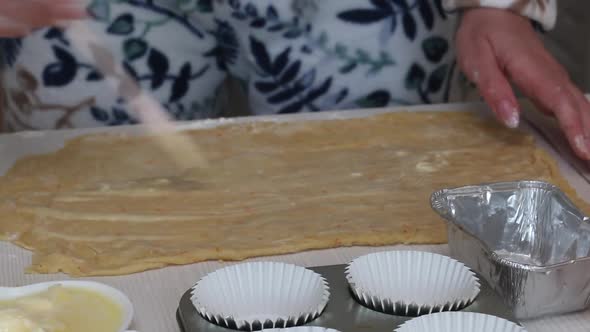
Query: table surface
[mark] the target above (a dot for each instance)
(156, 294)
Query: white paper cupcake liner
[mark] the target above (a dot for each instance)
(302, 329)
(459, 322)
(411, 283)
(261, 295)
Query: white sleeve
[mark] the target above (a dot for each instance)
(542, 11)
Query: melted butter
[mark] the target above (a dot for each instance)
(61, 309)
(426, 167)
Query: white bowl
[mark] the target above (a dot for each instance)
(13, 293)
(411, 283)
(459, 322)
(258, 295)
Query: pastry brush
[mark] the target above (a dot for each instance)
(176, 144)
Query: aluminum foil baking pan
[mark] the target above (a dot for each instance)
(526, 239)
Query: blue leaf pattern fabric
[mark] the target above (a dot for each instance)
(291, 55)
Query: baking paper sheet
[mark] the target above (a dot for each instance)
(156, 294)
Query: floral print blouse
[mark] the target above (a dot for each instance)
(288, 55)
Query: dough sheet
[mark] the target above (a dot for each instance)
(115, 204)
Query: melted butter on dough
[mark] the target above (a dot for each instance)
(111, 205)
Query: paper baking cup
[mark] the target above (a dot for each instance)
(459, 322)
(260, 295)
(302, 329)
(411, 283)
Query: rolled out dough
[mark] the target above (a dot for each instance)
(112, 205)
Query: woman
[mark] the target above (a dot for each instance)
(290, 56)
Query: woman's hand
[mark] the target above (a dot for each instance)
(19, 17)
(496, 47)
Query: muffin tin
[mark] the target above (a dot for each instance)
(344, 312)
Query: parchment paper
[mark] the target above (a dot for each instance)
(155, 294)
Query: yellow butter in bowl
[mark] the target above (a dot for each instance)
(70, 306)
(14, 320)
